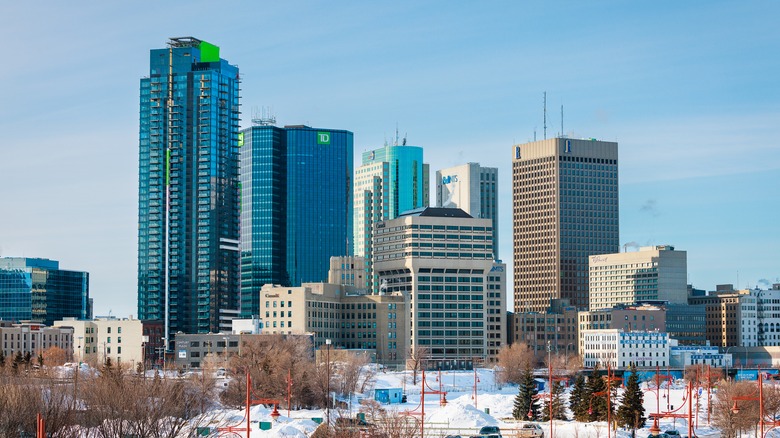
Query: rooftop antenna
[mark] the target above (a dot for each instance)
(404, 140)
(545, 115)
(263, 117)
(534, 133)
(396, 133)
(562, 135)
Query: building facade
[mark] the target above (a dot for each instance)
(188, 196)
(621, 350)
(641, 317)
(442, 260)
(391, 180)
(731, 318)
(687, 323)
(350, 318)
(652, 273)
(565, 209)
(34, 338)
(473, 189)
(119, 339)
(348, 271)
(38, 290)
(556, 328)
(296, 188)
(684, 356)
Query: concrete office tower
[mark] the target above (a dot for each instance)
(565, 209)
(38, 290)
(391, 180)
(654, 273)
(296, 206)
(188, 196)
(442, 260)
(473, 189)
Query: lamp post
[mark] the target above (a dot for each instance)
(164, 350)
(327, 401)
(225, 359)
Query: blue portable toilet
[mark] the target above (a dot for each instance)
(388, 395)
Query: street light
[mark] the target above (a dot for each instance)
(225, 338)
(327, 402)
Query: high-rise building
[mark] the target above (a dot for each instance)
(442, 260)
(391, 180)
(565, 209)
(296, 189)
(188, 196)
(654, 273)
(38, 290)
(473, 189)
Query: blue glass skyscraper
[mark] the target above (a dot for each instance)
(296, 187)
(38, 290)
(188, 201)
(263, 212)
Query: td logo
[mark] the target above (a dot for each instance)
(323, 138)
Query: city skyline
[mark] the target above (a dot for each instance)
(685, 90)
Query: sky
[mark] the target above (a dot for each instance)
(689, 90)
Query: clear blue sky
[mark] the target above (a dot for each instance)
(688, 89)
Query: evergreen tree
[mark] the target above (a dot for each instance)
(631, 413)
(558, 406)
(27, 359)
(2, 359)
(597, 408)
(579, 399)
(18, 360)
(525, 401)
(40, 360)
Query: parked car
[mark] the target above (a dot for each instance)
(490, 431)
(530, 430)
(672, 433)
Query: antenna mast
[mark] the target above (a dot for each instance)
(545, 115)
(562, 135)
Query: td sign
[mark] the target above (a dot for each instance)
(323, 137)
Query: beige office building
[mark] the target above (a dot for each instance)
(348, 271)
(654, 273)
(120, 339)
(565, 209)
(441, 259)
(350, 318)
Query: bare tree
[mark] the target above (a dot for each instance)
(512, 361)
(352, 373)
(699, 375)
(729, 422)
(270, 359)
(417, 360)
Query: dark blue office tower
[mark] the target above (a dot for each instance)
(188, 200)
(296, 187)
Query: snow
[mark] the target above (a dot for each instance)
(459, 415)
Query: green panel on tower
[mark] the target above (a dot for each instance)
(208, 52)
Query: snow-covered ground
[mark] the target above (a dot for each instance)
(462, 416)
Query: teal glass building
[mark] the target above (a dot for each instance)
(391, 180)
(188, 197)
(38, 290)
(296, 192)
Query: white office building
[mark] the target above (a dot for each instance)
(473, 189)
(622, 349)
